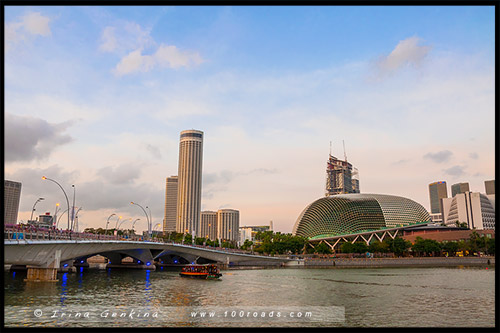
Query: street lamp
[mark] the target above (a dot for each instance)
(76, 217)
(54, 217)
(59, 219)
(149, 221)
(107, 222)
(129, 219)
(73, 208)
(116, 224)
(37, 201)
(67, 201)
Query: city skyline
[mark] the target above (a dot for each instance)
(102, 104)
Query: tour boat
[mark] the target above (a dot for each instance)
(209, 271)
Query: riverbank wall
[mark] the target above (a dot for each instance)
(399, 262)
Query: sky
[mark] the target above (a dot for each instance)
(96, 97)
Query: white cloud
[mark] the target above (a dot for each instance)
(140, 52)
(125, 36)
(28, 26)
(166, 56)
(407, 52)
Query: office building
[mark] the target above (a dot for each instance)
(189, 182)
(228, 224)
(489, 186)
(170, 204)
(12, 197)
(208, 225)
(249, 232)
(473, 208)
(437, 191)
(459, 188)
(341, 177)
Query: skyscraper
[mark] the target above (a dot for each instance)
(170, 204)
(228, 224)
(11, 199)
(208, 225)
(189, 182)
(341, 177)
(489, 186)
(437, 191)
(459, 188)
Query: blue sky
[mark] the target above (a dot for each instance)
(102, 93)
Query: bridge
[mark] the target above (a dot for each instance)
(44, 253)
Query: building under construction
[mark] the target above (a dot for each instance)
(341, 176)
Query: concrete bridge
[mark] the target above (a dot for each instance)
(43, 258)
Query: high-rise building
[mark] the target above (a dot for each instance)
(208, 225)
(189, 182)
(473, 208)
(228, 224)
(437, 191)
(12, 197)
(459, 188)
(339, 177)
(170, 204)
(489, 186)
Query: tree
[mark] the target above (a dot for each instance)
(398, 245)
(247, 244)
(323, 249)
(450, 247)
(378, 246)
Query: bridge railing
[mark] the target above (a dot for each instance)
(19, 233)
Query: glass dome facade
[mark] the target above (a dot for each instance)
(357, 212)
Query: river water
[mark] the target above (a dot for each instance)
(341, 297)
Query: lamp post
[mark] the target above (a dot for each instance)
(54, 217)
(73, 208)
(107, 222)
(59, 219)
(76, 217)
(129, 219)
(116, 224)
(67, 201)
(33, 210)
(149, 221)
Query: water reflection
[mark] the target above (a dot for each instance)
(64, 289)
(371, 297)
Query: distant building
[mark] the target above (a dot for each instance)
(437, 191)
(249, 232)
(341, 177)
(473, 208)
(228, 224)
(208, 225)
(459, 188)
(44, 221)
(489, 186)
(11, 199)
(170, 204)
(189, 182)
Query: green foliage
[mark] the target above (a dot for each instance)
(247, 245)
(278, 243)
(378, 247)
(426, 246)
(323, 249)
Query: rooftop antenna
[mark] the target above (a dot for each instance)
(330, 148)
(345, 155)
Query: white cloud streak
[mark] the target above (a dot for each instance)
(28, 26)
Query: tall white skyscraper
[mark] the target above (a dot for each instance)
(189, 182)
(169, 222)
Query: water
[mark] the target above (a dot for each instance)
(378, 297)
